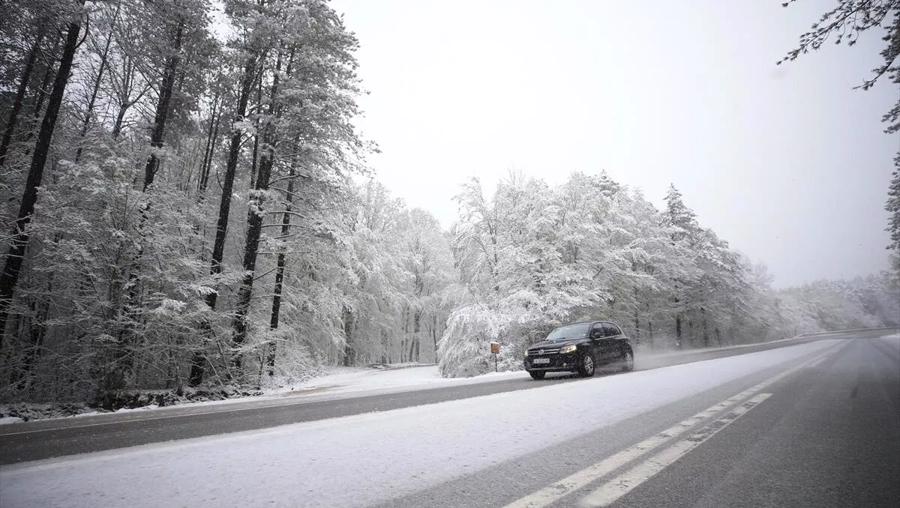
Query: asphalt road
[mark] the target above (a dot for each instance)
(826, 434)
(46, 439)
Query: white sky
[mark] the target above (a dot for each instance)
(789, 164)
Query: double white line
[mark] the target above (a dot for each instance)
(617, 487)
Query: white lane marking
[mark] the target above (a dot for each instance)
(613, 489)
(580, 479)
(816, 363)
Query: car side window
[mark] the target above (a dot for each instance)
(597, 327)
(610, 329)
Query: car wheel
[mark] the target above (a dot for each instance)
(537, 375)
(627, 361)
(586, 365)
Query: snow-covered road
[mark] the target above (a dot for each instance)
(374, 457)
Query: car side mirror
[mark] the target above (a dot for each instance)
(597, 334)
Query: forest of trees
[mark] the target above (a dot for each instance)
(188, 204)
(536, 256)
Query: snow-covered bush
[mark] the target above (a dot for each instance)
(464, 349)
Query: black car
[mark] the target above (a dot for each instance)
(580, 347)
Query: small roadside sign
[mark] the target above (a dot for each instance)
(495, 349)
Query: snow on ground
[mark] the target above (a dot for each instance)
(354, 379)
(371, 457)
(336, 382)
(340, 382)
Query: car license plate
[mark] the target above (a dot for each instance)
(540, 361)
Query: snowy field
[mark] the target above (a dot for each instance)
(303, 464)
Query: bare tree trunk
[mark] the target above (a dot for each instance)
(212, 150)
(16, 253)
(434, 335)
(123, 362)
(125, 100)
(212, 134)
(279, 273)
(678, 329)
(637, 325)
(45, 81)
(37, 331)
(349, 353)
(20, 97)
(162, 110)
(404, 335)
(255, 216)
(637, 318)
(198, 361)
(234, 150)
(414, 343)
(90, 108)
(705, 328)
(120, 117)
(255, 161)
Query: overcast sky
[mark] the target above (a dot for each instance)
(788, 163)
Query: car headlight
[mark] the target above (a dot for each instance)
(568, 349)
(526, 352)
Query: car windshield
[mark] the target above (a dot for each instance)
(575, 331)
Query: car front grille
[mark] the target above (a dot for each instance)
(543, 351)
